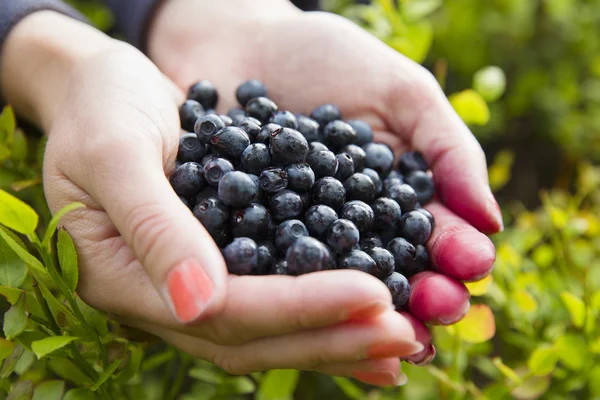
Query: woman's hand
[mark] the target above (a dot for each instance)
(113, 128)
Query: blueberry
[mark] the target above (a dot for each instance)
(264, 136)
(423, 185)
(185, 202)
(364, 133)
(317, 146)
(205, 194)
(359, 260)
(400, 289)
(338, 134)
(241, 256)
(369, 240)
(318, 218)
(323, 163)
(212, 213)
(221, 237)
(306, 198)
(210, 111)
(371, 173)
(205, 93)
(394, 178)
(284, 118)
(301, 177)
(329, 191)
(280, 267)
(187, 179)
(379, 157)
(307, 255)
(360, 187)
(358, 156)
(287, 232)
(342, 235)
(256, 158)
(288, 146)
(273, 180)
(230, 142)
(215, 169)
(237, 189)
(237, 115)
(360, 213)
(261, 108)
(412, 161)
(261, 195)
(415, 227)
(309, 128)
(387, 236)
(207, 158)
(420, 263)
(251, 126)
(266, 256)
(189, 112)
(207, 126)
(285, 204)
(190, 148)
(387, 213)
(405, 196)
(345, 166)
(403, 252)
(326, 113)
(250, 90)
(428, 215)
(253, 221)
(384, 260)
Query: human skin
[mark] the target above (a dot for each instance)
(111, 118)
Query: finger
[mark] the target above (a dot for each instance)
(380, 372)
(438, 299)
(477, 253)
(423, 336)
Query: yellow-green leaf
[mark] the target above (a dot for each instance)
(471, 107)
(11, 294)
(478, 325)
(572, 351)
(543, 360)
(66, 369)
(576, 308)
(29, 259)
(532, 388)
(525, 301)
(595, 345)
(12, 269)
(543, 256)
(506, 370)
(42, 348)
(350, 389)
(6, 349)
(15, 319)
(414, 42)
(21, 391)
(16, 214)
(19, 146)
(8, 124)
(80, 394)
(490, 82)
(108, 372)
(67, 257)
(480, 287)
(594, 380)
(278, 384)
(49, 390)
(56, 219)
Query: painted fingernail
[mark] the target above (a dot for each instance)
(383, 378)
(425, 358)
(398, 349)
(189, 290)
(366, 312)
(494, 210)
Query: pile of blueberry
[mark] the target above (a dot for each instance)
(288, 194)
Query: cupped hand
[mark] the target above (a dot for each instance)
(307, 59)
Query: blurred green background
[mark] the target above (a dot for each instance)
(525, 76)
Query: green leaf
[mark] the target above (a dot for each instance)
(205, 375)
(133, 365)
(350, 389)
(19, 147)
(67, 257)
(24, 363)
(594, 381)
(415, 42)
(15, 319)
(108, 372)
(576, 308)
(16, 214)
(96, 318)
(66, 369)
(543, 360)
(11, 294)
(572, 351)
(8, 124)
(278, 384)
(156, 360)
(506, 370)
(29, 259)
(490, 82)
(12, 269)
(9, 364)
(80, 394)
(49, 390)
(532, 388)
(240, 385)
(471, 107)
(29, 336)
(6, 349)
(21, 391)
(56, 219)
(46, 346)
(417, 10)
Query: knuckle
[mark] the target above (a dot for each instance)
(229, 364)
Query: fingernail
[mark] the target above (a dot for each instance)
(424, 359)
(399, 349)
(494, 210)
(366, 312)
(383, 378)
(402, 379)
(189, 290)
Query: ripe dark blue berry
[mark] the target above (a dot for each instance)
(387, 213)
(384, 260)
(186, 202)
(207, 126)
(420, 263)
(345, 166)
(266, 257)
(212, 213)
(307, 255)
(318, 218)
(190, 148)
(326, 113)
(415, 227)
(285, 118)
(241, 256)
(342, 236)
(364, 133)
(306, 200)
(285, 204)
(301, 177)
(207, 158)
(360, 187)
(400, 289)
(230, 142)
(309, 128)
(253, 221)
(394, 178)
(423, 185)
(261, 195)
(237, 189)
(379, 157)
(273, 180)
(338, 134)
(371, 173)
(323, 163)
(215, 169)
(251, 126)
(369, 240)
(316, 146)
(256, 158)
(360, 213)
(405, 196)
(261, 108)
(249, 90)
(359, 260)
(205, 93)
(221, 237)
(264, 136)
(189, 112)
(329, 191)
(205, 194)
(358, 156)
(226, 119)
(287, 232)
(280, 267)
(403, 252)
(288, 146)
(428, 215)
(187, 179)
(237, 115)
(412, 161)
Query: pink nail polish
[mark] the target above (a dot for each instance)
(383, 378)
(400, 349)
(189, 289)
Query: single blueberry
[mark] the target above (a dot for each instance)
(345, 166)
(428, 215)
(215, 169)
(288, 146)
(405, 196)
(251, 126)
(329, 191)
(221, 237)
(326, 113)
(317, 146)
(364, 133)
(306, 200)
(237, 189)
(284, 118)
(256, 158)
(205, 194)
(318, 218)
(279, 267)
(287, 232)
(212, 213)
(423, 185)
(261, 108)
(360, 187)
(301, 177)
(309, 128)
(394, 178)
(400, 289)
(241, 256)
(264, 136)
(285, 204)
(207, 158)
(253, 221)
(261, 195)
(230, 142)
(190, 148)
(250, 90)
(379, 157)
(205, 93)
(207, 126)
(307, 255)
(187, 179)
(412, 161)
(342, 235)
(358, 156)
(338, 134)
(415, 227)
(189, 112)
(371, 173)
(266, 257)
(403, 252)
(359, 260)
(323, 163)
(420, 263)
(369, 240)
(360, 213)
(387, 213)
(384, 260)
(273, 180)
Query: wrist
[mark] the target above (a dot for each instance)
(38, 57)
